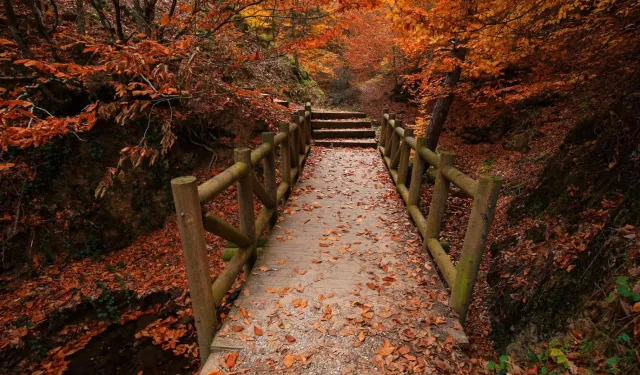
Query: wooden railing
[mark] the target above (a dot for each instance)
(395, 145)
(294, 140)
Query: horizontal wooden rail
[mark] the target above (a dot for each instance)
(462, 181)
(221, 182)
(394, 145)
(294, 143)
(259, 153)
(219, 227)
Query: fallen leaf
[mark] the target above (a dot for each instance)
(386, 348)
(230, 359)
(237, 328)
(290, 339)
(258, 331)
(288, 360)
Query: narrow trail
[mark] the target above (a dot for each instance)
(343, 285)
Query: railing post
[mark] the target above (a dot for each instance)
(395, 143)
(403, 164)
(484, 205)
(416, 174)
(285, 154)
(439, 197)
(295, 144)
(383, 129)
(269, 166)
(307, 109)
(245, 205)
(194, 250)
(389, 135)
(302, 126)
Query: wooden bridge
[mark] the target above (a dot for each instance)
(343, 284)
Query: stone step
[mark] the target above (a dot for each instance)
(344, 124)
(336, 115)
(343, 133)
(346, 142)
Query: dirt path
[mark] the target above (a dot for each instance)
(344, 286)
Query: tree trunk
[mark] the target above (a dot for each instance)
(149, 15)
(118, 20)
(137, 13)
(37, 16)
(103, 19)
(441, 110)
(13, 28)
(80, 16)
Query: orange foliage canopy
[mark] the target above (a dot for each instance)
(499, 34)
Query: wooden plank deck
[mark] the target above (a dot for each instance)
(342, 272)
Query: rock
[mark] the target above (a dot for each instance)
(517, 142)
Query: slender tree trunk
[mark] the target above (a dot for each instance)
(137, 13)
(118, 20)
(37, 16)
(103, 19)
(80, 16)
(172, 10)
(149, 15)
(441, 110)
(13, 28)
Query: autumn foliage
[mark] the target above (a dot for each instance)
(139, 90)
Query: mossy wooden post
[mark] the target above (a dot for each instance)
(302, 126)
(395, 143)
(307, 117)
(245, 205)
(295, 143)
(439, 197)
(285, 155)
(403, 164)
(269, 167)
(389, 136)
(484, 206)
(416, 174)
(194, 250)
(383, 128)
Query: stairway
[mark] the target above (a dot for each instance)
(342, 129)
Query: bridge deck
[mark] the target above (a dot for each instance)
(342, 272)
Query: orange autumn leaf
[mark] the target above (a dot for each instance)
(386, 348)
(288, 360)
(230, 359)
(258, 331)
